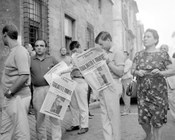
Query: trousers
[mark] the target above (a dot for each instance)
(14, 121)
(126, 98)
(110, 111)
(79, 104)
(39, 95)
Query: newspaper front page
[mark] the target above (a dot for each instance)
(55, 71)
(58, 97)
(93, 67)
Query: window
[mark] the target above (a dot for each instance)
(100, 5)
(69, 27)
(35, 20)
(125, 13)
(89, 36)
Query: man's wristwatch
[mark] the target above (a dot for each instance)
(9, 92)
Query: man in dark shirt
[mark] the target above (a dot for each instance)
(40, 65)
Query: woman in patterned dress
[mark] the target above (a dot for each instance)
(151, 66)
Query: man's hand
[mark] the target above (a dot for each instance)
(141, 73)
(156, 71)
(107, 59)
(8, 94)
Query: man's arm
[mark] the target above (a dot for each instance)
(22, 61)
(117, 65)
(17, 85)
(128, 65)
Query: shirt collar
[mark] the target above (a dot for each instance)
(14, 47)
(36, 57)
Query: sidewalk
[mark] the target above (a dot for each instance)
(66, 123)
(130, 129)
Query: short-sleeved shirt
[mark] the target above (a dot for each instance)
(75, 71)
(117, 59)
(39, 68)
(127, 69)
(16, 64)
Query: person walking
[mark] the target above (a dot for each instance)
(170, 83)
(41, 63)
(109, 97)
(15, 87)
(79, 103)
(151, 66)
(126, 79)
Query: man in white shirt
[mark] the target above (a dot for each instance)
(15, 88)
(126, 79)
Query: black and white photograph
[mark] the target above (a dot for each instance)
(124, 55)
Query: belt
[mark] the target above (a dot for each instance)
(40, 85)
(78, 77)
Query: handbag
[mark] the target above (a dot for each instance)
(131, 90)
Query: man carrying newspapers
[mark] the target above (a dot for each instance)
(79, 103)
(41, 63)
(102, 68)
(109, 97)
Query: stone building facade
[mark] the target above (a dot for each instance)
(57, 21)
(78, 20)
(61, 21)
(126, 31)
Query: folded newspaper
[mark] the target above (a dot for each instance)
(55, 71)
(92, 65)
(58, 97)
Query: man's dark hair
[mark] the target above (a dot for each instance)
(103, 35)
(73, 45)
(173, 55)
(43, 41)
(11, 30)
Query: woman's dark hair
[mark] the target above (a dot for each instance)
(11, 31)
(73, 45)
(154, 33)
(103, 35)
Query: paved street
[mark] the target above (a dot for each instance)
(130, 129)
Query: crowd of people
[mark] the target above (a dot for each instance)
(23, 84)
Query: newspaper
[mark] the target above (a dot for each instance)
(55, 71)
(92, 65)
(88, 59)
(99, 77)
(58, 97)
